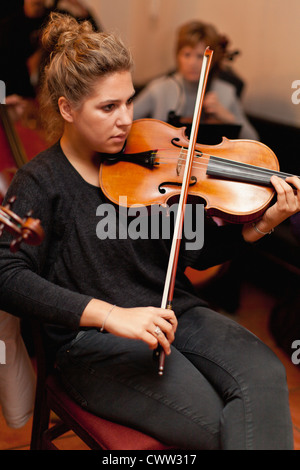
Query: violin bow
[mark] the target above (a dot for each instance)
(174, 253)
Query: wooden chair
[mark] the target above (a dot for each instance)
(97, 433)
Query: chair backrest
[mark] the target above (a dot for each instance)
(5, 179)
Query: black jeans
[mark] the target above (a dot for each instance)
(222, 387)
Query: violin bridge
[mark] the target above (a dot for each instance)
(180, 160)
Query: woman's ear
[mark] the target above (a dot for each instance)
(65, 109)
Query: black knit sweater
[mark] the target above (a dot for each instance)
(56, 280)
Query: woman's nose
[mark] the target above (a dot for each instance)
(126, 116)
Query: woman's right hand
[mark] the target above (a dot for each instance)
(155, 326)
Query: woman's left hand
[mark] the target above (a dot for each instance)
(288, 200)
(287, 204)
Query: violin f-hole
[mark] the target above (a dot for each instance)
(162, 190)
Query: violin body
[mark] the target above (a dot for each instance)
(150, 171)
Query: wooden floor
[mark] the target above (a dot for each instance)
(253, 313)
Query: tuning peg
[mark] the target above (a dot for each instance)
(10, 202)
(15, 244)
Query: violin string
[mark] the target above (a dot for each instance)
(205, 160)
(257, 171)
(199, 166)
(229, 162)
(196, 164)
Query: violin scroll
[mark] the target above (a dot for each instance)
(27, 229)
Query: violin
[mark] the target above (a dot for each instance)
(232, 178)
(28, 229)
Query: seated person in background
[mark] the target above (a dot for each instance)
(176, 93)
(19, 52)
(22, 58)
(20, 39)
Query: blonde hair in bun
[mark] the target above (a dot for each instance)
(77, 57)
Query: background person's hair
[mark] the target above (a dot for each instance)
(195, 32)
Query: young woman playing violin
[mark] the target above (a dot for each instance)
(100, 298)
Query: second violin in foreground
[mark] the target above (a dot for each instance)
(27, 229)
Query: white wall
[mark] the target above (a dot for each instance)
(267, 32)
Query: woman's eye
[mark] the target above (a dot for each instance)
(108, 107)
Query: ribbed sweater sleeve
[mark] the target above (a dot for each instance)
(24, 287)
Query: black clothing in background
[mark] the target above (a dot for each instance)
(19, 39)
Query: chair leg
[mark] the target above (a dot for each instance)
(41, 419)
(51, 434)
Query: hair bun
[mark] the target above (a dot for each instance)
(62, 31)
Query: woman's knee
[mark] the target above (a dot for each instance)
(266, 367)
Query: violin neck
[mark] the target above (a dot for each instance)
(238, 171)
